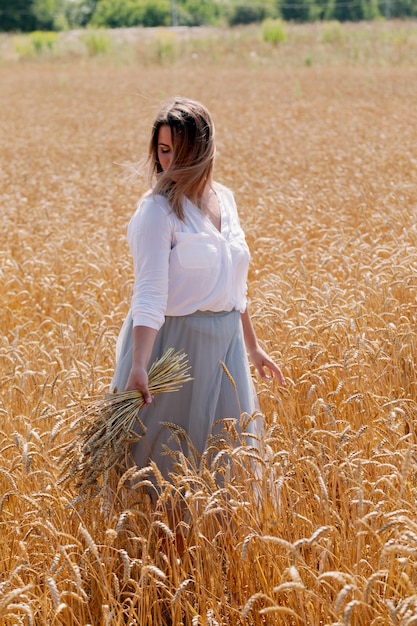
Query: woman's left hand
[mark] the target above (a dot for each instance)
(262, 361)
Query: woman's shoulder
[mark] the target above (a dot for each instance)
(152, 207)
(152, 212)
(152, 201)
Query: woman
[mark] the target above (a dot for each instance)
(191, 263)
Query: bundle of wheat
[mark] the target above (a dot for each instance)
(105, 428)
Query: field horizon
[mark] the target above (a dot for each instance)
(317, 140)
(384, 43)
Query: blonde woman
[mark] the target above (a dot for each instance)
(190, 262)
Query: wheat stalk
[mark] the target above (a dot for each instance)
(97, 449)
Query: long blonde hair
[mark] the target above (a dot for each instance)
(192, 162)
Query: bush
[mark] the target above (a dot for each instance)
(273, 31)
(36, 43)
(43, 41)
(164, 47)
(97, 42)
(332, 32)
(23, 47)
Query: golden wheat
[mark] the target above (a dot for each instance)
(321, 156)
(102, 434)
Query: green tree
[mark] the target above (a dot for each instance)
(198, 12)
(298, 10)
(117, 13)
(78, 13)
(44, 12)
(318, 10)
(122, 13)
(31, 15)
(371, 10)
(354, 11)
(248, 12)
(399, 8)
(157, 13)
(17, 15)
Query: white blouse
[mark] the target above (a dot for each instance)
(184, 266)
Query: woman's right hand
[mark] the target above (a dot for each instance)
(138, 379)
(143, 340)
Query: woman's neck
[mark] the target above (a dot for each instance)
(209, 205)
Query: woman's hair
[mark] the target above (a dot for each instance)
(193, 145)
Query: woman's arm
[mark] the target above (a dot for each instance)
(259, 357)
(143, 340)
(149, 236)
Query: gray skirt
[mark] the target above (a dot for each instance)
(201, 406)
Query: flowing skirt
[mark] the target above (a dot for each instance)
(199, 406)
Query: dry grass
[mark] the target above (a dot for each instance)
(323, 163)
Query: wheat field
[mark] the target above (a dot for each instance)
(319, 144)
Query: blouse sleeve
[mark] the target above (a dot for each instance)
(149, 236)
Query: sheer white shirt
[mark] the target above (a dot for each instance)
(184, 266)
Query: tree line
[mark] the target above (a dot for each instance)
(30, 15)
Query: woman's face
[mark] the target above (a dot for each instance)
(165, 149)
